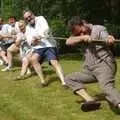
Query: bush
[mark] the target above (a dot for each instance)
(59, 29)
(115, 31)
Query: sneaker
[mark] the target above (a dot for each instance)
(119, 106)
(19, 78)
(42, 85)
(28, 72)
(6, 69)
(1, 62)
(45, 84)
(90, 106)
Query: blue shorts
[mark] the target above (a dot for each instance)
(51, 53)
(6, 44)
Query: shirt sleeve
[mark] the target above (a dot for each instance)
(5, 29)
(42, 26)
(16, 27)
(103, 33)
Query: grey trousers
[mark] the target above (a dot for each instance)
(103, 73)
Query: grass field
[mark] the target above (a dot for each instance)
(21, 100)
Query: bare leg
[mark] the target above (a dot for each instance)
(1, 61)
(37, 67)
(12, 49)
(25, 64)
(76, 82)
(59, 70)
(84, 95)
(90, 103)
(24, 68)
(4, 57)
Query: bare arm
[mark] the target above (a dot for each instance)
(18, 41)
(110, 40)
(36, 40)
(76, 39)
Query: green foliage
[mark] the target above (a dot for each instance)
(59, 11)
(105, 9)
(59, 29)
(114, 30)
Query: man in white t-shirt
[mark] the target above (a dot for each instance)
(10, 30)
(6, 40)
(1, 37)
(43, 47)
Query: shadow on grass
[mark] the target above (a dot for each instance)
(98, 97)
(50, 75)
(72, 56)
(101, 97)
(17, 62)
(114, 108)
(52, 79)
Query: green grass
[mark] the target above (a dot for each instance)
(20, 100)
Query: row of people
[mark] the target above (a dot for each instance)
(99, 63)
(7, 32)
(32, 41)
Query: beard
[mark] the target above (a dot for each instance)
(32, 23)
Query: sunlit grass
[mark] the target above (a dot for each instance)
(21, 100)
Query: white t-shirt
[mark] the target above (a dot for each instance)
(16, 27)
(40, 29)
(7, 28)
(21, 35)
(26, 37)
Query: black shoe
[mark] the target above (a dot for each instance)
(41, 85)
(45, 84)
(90, 106)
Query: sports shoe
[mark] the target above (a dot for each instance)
(42, 85)
(28, 71)
(6, 69)
(45, 84)
(90, 106)
(19, 78)
(119, 106)
(1, 62)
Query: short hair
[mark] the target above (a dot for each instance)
(22, 22)
(1, 19)
(12, 17)
(24, 11)
(75, 20)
